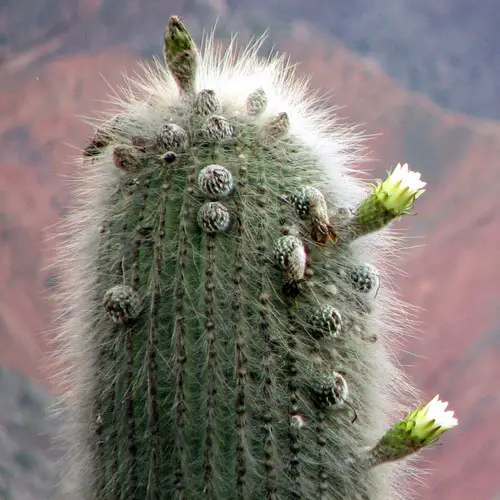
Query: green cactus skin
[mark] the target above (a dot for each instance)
(195, 297)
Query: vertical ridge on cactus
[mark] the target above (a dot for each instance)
(226, 323)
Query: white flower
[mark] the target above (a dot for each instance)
(431, 420)
(420, 428)
(400, 189)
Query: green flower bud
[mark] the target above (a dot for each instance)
(181, 55)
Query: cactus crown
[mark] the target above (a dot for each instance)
(225, 325)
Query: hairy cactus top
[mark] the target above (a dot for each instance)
(227, 316)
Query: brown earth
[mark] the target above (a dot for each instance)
(454, 276)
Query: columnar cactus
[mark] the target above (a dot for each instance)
(225, 330)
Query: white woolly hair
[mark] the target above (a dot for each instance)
(233, 73)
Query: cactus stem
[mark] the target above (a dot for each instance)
(241, 358)
(118, 332)
(294, 431)
(152, 363)
(102, 397)
(209, 300)
(138, 240)
(269, 391)
(97, 424)
(113, 436)
(209, 333)
(129, 354)
(321, 442)
(269, 386)
(129, 405)
(180, 346)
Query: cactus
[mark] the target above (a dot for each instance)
(226, 331)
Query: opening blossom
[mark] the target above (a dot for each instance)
(420, 428)
(390, 199)
(400, 189)
(431, 420)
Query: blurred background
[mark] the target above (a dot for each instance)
(421, 75)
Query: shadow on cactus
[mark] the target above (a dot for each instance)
(228, 319)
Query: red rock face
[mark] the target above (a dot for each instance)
(454, 278)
